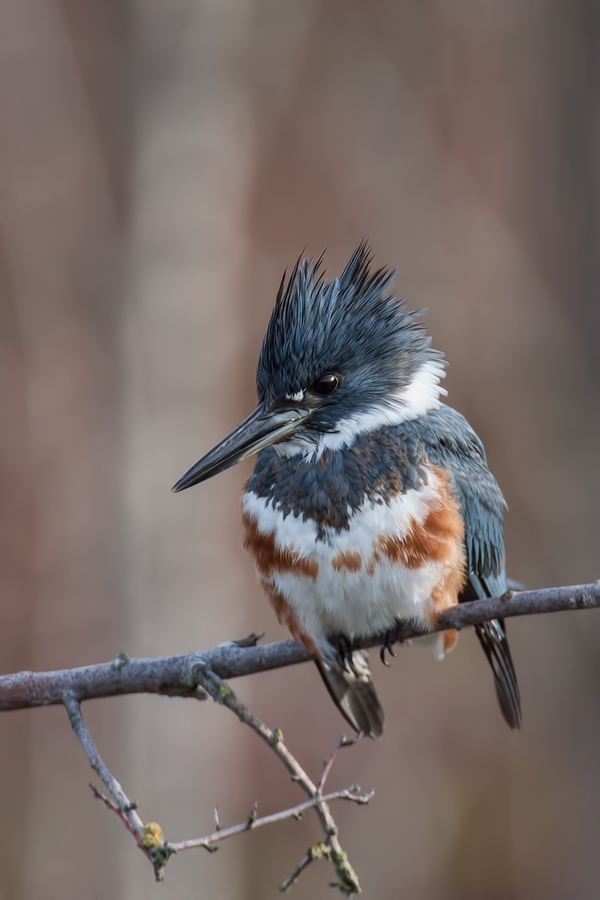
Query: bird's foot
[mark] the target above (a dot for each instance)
(343, 648)
(397, 634)
(389, 639)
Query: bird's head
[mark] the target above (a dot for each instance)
(339, 358)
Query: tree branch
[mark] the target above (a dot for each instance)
(145, 835)
(150, 837)
(174, 675)
(202, 674)
(253, 821)
(220, 691)
(126, 808)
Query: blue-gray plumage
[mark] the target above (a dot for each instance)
(371, 501)
(353, 325)
(381, 463)
(449, 441)
(452, 443)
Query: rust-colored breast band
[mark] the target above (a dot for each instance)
(269, 558)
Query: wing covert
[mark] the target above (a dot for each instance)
(450, 442)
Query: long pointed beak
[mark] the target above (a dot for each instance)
(259, 430)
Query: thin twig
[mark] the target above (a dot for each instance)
(171, 675)
(126, 808)
(152, 842)
(149, 838)
(110, 804)
(328, 764)
(319, 851)
(220, 691)
(294, 812)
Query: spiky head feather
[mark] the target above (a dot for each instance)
(354, 326)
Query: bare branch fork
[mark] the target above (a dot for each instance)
(202, 674)
(150, 837)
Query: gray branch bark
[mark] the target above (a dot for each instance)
(202, 674)
(177, 675)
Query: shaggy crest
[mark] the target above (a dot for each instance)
(353, 325)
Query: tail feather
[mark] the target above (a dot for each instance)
(494, 642)
(492, 637)
(354, 694)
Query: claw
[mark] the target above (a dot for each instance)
(385, 649)
(392, 636)
(343, 647)
(388, 645)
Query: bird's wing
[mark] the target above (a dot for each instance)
(450, 442)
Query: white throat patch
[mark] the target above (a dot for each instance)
(420, 397)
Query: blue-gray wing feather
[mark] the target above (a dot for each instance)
(451, 443)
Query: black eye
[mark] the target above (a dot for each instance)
(326, 384)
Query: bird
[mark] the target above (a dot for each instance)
(371, 504)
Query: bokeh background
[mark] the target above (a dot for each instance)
(161, 162)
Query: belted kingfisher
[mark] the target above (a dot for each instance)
(371, 502)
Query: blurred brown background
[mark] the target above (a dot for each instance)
(161, 162)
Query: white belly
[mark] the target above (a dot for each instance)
(346, 584)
